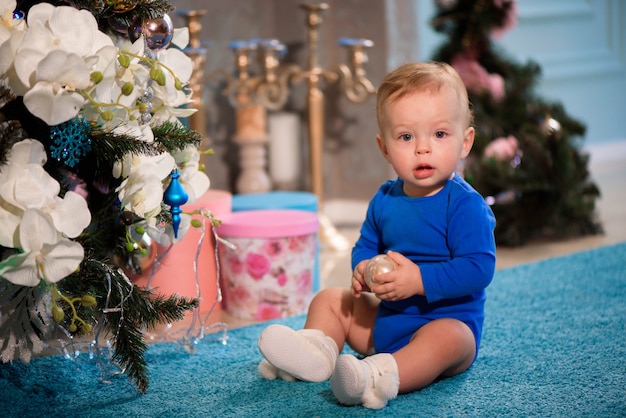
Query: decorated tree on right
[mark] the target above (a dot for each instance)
(526, 159)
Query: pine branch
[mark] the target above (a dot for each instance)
(175, 137)
(24, 328)
(140, 309)
(144, 310)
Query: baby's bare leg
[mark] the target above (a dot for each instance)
(441, 348)
(344, 318)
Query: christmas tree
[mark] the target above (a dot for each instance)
(94, 163)
(526, 160)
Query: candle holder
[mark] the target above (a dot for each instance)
(272, 86)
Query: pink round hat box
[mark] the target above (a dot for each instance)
(269, 273)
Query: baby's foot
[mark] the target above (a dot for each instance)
(306, 354)
(372, 381)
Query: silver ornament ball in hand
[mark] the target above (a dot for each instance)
(378, 265)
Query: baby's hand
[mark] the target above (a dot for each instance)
(402, 283)
(358, 284)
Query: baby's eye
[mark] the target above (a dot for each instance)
(440, 134)
(406, 137)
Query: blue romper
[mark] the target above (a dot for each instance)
(450, 237)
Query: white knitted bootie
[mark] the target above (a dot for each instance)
(372, 381)
(306, 354)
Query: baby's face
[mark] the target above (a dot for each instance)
(424, 136)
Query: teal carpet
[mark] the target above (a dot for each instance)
(554, 345)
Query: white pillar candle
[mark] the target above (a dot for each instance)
(284, 149)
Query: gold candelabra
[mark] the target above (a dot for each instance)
(270, 89)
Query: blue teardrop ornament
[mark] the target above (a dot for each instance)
(175, 196)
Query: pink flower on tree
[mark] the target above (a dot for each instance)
(510, 21)
(476, 78)
(502, 149)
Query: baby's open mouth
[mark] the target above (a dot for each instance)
(423, 170)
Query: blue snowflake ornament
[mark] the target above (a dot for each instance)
(70, 141)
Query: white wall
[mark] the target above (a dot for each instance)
(580, 46)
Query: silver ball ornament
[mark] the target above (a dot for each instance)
(378, 265)
(551, 128)
(144, 255)
(158, 32)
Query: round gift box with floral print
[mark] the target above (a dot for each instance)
(269, 271)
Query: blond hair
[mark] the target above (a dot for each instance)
(413, 77)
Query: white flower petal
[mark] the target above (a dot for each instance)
(9, 221)
(52, 108)
(8, 49)
(76, 29)
(195, 184)
(28, 186)
(36, 229)
(39, 14)
(26, 62)
(67, 70)
(60, 260)
(20, 269)
(71, 215)
(177, 61)
(29, 151)
(181, 37)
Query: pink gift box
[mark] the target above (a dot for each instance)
(269, 273)
(174, 274)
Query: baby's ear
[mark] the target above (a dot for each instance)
(468, 141)
(382, 146)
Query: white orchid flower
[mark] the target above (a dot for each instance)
(7, 22)
(27, 186)
(9, 221)
(168, 101)
(70, 214)
(51, 62)
(24, 185)
(109, 90)
(56, 28)
(21, 179)
(8, 51)
(180, 37)
(142, 190)
(106, 64)
(28, 151)
(68, 28)
(46, 256)
(6, 12)
(56, 95)
(164, 234)
(194, 181)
